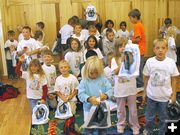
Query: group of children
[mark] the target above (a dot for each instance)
(84, 76)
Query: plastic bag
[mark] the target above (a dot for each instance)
(63, 110)
(40, 114)
(99, 116)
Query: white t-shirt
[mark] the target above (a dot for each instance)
(109, 75)
(66, 84)
(97, 50)
(121, 33)
(123, 87)
(160, 73)
(31, 45)
(74, 59)
(20, 37)
(34, 86)
(50, 72)
(66, 31)
(8, 43)
(171, 46)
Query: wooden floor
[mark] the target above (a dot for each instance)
(15, 114)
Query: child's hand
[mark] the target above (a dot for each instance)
(51, 96)
(103, 97)
(42, 101)
(173, 98)
(144, 98)
(93, 100)
(64, 98)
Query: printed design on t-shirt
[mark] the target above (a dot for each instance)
(91, 12)
(122, 80)
(158, 78)
(34, 84)
(67, 88)
(77, 61)
(51, 79)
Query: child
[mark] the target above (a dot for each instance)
(66, 31)
(74, 57)
(107, 70)
(50, 72)
(171, 36)
(19, 29)
(160, 74)
(77, 34)
(94, 85)
(36, 83)
(108, 24)
(92, 31)
(123, 32)
(10, 49)
(39, 27)
(92, 44)
(28, 45)
(108, 42)
(124, 89)
(66, 86)
(140, 39)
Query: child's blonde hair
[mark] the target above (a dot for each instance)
(40, 71)
(63, 62)
(160, 40)
(119, 43)
(171, 32)
(93, 63)
(110, 55)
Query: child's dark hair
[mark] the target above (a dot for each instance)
(46, 52)
(135, 13)
(109, 22)
(41, 25)
(75, 18)
(96, 42)
(79, 44)
(38, 34)
(71, 21)
(27, 28)
(123, 23)
(11, 33)
(167, 21)
(90, 53)
(109, 30)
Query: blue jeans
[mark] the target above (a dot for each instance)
(139, 79)
(153, 108)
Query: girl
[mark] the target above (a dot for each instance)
(77, 34)
(123, 32)
(124, 89)
(108, 24)
(92, 44)
(171, 36)
(74, 56)
(36, 83)
(94, 85)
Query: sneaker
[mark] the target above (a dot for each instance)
(120, 130)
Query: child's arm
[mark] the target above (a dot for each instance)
(73, 94)
(145, 78)
(36, 51)
(136, 40)
(173, 84)
(45, 90)
(61, 96)
(18, 66)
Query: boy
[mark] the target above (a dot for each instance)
(27, 45)
(50, 72)
(160, 74)
(39, 27)
(108, 42)
(140, 39)
(10, 50)
(66, 86)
